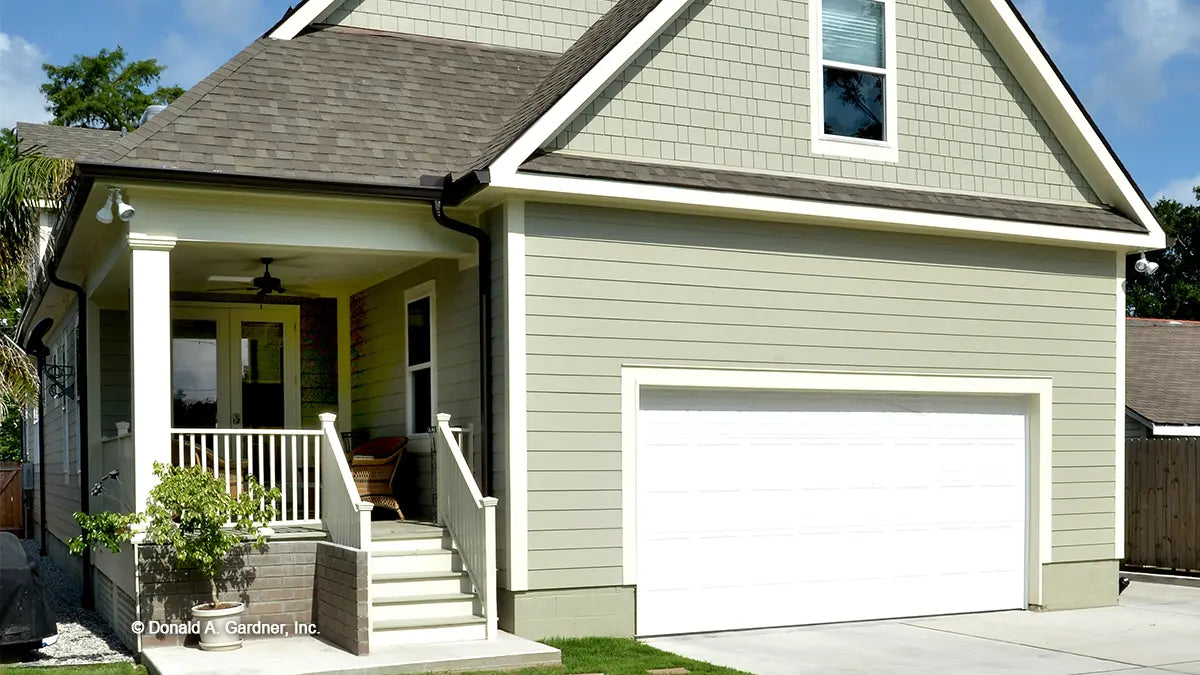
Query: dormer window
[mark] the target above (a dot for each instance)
(854, 78)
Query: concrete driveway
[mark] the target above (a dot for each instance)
(1156, 629)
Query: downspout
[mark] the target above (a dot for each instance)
(485, 325)
(81, 384)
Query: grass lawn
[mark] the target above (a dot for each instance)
(100, 669)
(615, 656)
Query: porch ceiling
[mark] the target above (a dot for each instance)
(314, 271)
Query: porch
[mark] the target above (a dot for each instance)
(270, 337)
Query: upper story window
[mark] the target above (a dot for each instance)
(854, 78)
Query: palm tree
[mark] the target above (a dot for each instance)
(29, 182)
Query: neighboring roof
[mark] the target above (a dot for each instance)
(577, 61)
(77, 143)
(1162, 370)
(340, 104)
(829, 191)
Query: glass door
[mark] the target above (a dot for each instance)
(235, 368)
(265, 378)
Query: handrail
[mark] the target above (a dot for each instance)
(469, 516)
(344, 514)
(234, 432)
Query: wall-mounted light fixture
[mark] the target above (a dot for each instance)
(125, 211)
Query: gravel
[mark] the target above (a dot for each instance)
(83, 637)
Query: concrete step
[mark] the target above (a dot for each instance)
(411, 562)
(408, 585)
(419, 631)
(424, 607)
(404, 545)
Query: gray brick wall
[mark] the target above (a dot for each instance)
(340, 601)
(276, 584)
(544, 25)
(728, 86)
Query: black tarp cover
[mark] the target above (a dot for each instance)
(25, 613)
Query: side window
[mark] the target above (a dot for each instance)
(420, 357)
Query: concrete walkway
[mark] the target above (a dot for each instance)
(1156, 629)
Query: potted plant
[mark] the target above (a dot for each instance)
(195, 518)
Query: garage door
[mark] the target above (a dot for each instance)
(759, 509)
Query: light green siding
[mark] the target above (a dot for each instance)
(607, 288)
(115, 389)
(727, 85)
(544, 25)
(576, 612)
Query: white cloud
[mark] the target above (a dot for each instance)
(1181, 190)
(20, 76)
(1038, 17)
(1149, 34)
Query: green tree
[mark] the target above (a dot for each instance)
(1173, 292)
(104, 91)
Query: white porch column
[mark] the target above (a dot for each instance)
(150, 357)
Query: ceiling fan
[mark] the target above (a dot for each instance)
(262, 286)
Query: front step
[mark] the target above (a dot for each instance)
(420, 592)
(423, 631)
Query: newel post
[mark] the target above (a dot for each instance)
(491, 605)
(441, 465)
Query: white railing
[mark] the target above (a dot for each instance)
(470, 517)
(113, 492)
(288, 459)
(465, 437)
(346, 517)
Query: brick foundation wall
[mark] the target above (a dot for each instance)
(340, 598)
(276, 583)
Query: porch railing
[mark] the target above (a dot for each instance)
(347, 517)
(470, 517)
(289, 459)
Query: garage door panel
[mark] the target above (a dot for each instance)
(784, 508)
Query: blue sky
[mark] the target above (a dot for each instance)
(1132, 62)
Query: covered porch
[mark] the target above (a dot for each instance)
(368, 331)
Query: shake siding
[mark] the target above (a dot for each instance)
(610, 287)
(116, 403)
(728, 85)
(544, 25)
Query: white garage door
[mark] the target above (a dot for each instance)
(758, 509)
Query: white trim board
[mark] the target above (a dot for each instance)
(1039, 391)
(1119, 401)
(305, 14)
(738, 204)
(516, 396)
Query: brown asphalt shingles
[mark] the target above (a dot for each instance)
(77, 143)
(1162, 370)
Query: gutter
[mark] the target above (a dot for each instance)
(454, 192)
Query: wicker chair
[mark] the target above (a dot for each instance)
(374, 466)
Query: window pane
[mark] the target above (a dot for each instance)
(262, 375)
(421, 382)
(852, 32)
(193, 374)
(418, 331)
(854, 104)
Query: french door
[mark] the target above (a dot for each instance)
(235, 367)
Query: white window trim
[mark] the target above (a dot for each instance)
(1040, 411)
(427, 289)
(887, 150)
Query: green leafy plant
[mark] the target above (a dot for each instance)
(189, 512)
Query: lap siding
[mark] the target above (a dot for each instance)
(607, 288)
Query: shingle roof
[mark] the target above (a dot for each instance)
(1162, 370)
(829, 191)
(581, 57)
(340, 104)
(77, 143)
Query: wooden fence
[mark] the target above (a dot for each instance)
(12, 515)
(1162, 503)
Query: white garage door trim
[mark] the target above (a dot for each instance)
(1040, 417)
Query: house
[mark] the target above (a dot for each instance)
(791, 312)
(1162, 376)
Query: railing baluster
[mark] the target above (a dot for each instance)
(204, 452)
(275, 477)
(307, 479)
(237, 467)
(225, 458)
(295, 476)
(317, 478)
